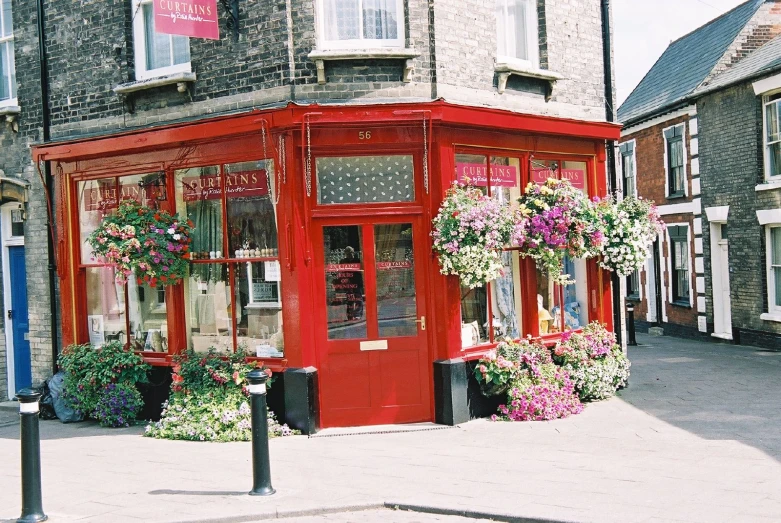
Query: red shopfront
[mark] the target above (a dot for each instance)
(312, 248)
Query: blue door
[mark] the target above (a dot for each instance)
(19, 319)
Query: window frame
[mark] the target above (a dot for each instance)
(772, 308)
(768, 99)
(672, 135)
(140, 48)
(360, 43)
(531, 32)
(628, 157)
(633, 293)
(679, 234)
(12, 88)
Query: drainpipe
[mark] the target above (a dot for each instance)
(49, 181)
(611, 153)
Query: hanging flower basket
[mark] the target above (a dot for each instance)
(147, 243)
(469, 232)
(632, 224)
(556, 219)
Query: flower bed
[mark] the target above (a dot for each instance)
(209, 400)
(537, 389)
(545, 384)
(469, 231)
(594, 361)
(101, 382)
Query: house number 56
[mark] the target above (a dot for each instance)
(364, 135)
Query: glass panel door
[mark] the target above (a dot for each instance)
(395, 264)
(344, 282)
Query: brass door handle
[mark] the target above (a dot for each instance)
(422, 322)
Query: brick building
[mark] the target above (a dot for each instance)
(342, 126)
(662, 159)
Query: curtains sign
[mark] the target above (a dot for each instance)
(196, 18)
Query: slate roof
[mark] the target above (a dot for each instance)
(685, 64)
(764, 60)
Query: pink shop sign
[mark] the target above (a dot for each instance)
(577, 177)
(196, 18)
(475, 174)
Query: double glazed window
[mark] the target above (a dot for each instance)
(516, 31)
(7, 69)
(676, 160)
(679, 253)
(628, 176)
(772, 136)
(347, 24)
(231, 293)
(156, 54)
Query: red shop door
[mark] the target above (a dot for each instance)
(371, 330)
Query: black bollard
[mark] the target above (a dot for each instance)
(630, 324)
(261, 469)
(32, 506)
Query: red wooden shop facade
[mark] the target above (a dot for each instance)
(312, 245)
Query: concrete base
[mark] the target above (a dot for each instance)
(656, 331)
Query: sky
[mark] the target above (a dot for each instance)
(644, 28)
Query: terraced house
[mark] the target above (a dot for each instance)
(699, 138)
(311, 142)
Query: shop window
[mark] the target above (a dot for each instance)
(562, 307)
(365, 179)
(628, 176)
(492, 312)
(773, 257)
(675, 160)
(7, 67)
(156, 54)
(772, 136)
(232, 295)
(132, 314)
(679, 251)
(361, 24)
(516, 26)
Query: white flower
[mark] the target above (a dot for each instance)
(177, 236)
(171, 230)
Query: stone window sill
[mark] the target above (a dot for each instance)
(676, 196)
(320, 57)
(769, 316)
(506, 68)
(682, 304)
(769, 185)
(180, 79)
(10, 112)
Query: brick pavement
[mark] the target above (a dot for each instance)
(693, 439)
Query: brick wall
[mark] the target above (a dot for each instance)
(651, 177)
(732, 166)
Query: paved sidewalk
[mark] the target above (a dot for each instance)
(695, 438)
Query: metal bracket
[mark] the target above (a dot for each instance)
(232, 9)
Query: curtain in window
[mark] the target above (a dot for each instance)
(512, 22)
(7, 27)
(7, 71)
(379, 20)
(342, 19)
(773, 139)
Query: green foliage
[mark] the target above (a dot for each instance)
(89, 371)
(209, 399)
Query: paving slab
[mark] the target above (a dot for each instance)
(688, 440)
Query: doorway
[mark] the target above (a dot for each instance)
(372, 341)
(722, 305)
(15, 298)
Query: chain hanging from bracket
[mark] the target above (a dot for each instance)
(308, 165)
(425, 153)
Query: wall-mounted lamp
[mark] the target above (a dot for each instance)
(154, 186)
(232, 8)
(18, 215)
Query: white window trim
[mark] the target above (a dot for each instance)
(634, 165)
(360, 43)
(9, 102)
(766, 157)
(532, 42)
(685, 161)
(670, 256)
(139, 46)
(774, 311)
